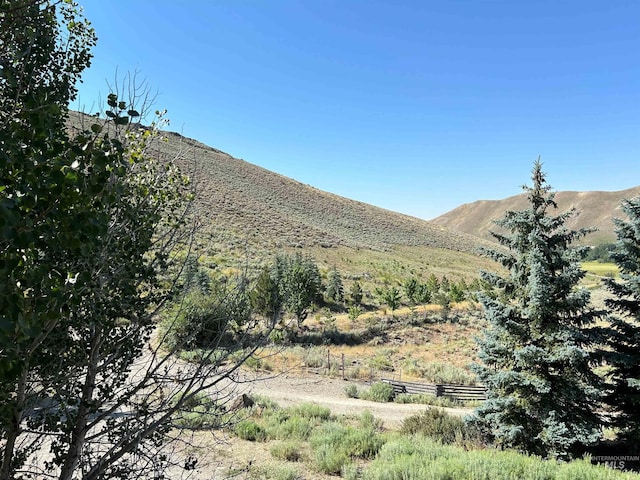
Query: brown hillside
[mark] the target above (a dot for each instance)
(245, 203)
(242, 206)
(594, 209)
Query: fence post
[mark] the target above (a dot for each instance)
(328, 361)
(344, 373)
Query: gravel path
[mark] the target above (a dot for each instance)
(289, 390)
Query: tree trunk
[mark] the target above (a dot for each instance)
(79, 434)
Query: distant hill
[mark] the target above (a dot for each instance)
(248, 211)
(594, 209)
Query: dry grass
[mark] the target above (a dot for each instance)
(595, 209)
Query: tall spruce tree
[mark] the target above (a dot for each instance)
(624, 333)
(541, 390)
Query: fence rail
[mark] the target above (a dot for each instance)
(455, 392)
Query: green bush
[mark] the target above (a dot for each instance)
(351, 391)
(203, 321)
(369, 422)
(311, 411)
(379, 392)
(330, 461)
(288, 450)
(424, 458)
(197, 411)
(314, 357)
(275, 472)
(250, 430)
(428, 399)
(381, 362)
(298, 428)
(438, 372)
(437, 424)
(352, 442)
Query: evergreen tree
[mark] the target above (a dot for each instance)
(411, 290)
(541, 390)
(390, 296)
(335, 289)
(624, 334)
(265, 298)
(356, 293)
(299, 284)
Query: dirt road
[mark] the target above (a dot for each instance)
(289, 390)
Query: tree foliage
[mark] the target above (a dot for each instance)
(335, 289)
(299, 283)
(89, 223)
(542, 393)
(356, 293)
(623, 354)
(265, 296)
(390, 296)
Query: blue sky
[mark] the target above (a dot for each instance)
(414, 106)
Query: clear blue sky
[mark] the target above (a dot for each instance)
(414, 106)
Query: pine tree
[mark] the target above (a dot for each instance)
(335, 289)
(541, 390)
(356, 293)
(624, 334)
(265, 298)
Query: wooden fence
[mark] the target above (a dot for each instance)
(455, 392)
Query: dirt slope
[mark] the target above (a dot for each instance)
(594, 209)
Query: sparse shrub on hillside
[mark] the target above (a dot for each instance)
(354, 312)
(335, 446)
(351, 391)
(381, 362)
(273, 472)
(288, 450)
(424, 458)
(437, 424)
(378, 392)
(250, 430)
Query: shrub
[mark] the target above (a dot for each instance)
(437, 424)
(354, 312)
(314, 357)
(424, 458)
(330, 461)
(381, 362)
(197, 412)
(379, 392)
(351, 391)
(275, 472)
(289, 428)
(352, 442)
(428, 399)
(311, 411)
(288, 450)
(369, 422)
(250, 430)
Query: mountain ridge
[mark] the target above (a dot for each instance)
(594, 208)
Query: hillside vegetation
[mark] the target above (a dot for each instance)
(250, 204)
(595, 209)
